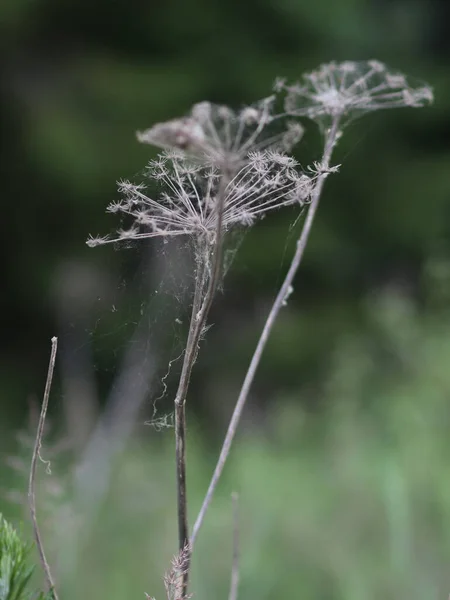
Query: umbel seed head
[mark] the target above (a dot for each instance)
(187, 200)
(348, 90)
(221, 137)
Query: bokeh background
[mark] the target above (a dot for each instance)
(343, 459)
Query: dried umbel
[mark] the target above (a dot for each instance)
(187, 203)
(350, 89)
(173, 579)
(219, 136)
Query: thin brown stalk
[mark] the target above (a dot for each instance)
(32, 479)
(200, 310)
(284, 292)
(180, 422)
(236, 549)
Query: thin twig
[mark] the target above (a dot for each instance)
(280, 300)
(34, 459)
(200, 310)
(236, 550)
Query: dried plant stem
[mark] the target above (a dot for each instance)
(330, 142)
(200, 310)
(180, 415)
(236, 551)
(32, 479)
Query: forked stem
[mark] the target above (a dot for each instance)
(330, 142)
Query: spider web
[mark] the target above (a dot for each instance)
(123, 326)
(146, 326)
(122, 344)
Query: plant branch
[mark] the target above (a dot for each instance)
(34, 459)
(286, 288)
(200, 310)
(180, 418)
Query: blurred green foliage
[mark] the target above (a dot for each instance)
(337, 501)
(15, 573)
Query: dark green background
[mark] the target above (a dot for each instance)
(366, 327)
(78, 78)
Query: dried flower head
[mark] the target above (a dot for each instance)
(349, 89)
(187, 203)
(219, 136)
(173, 579)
